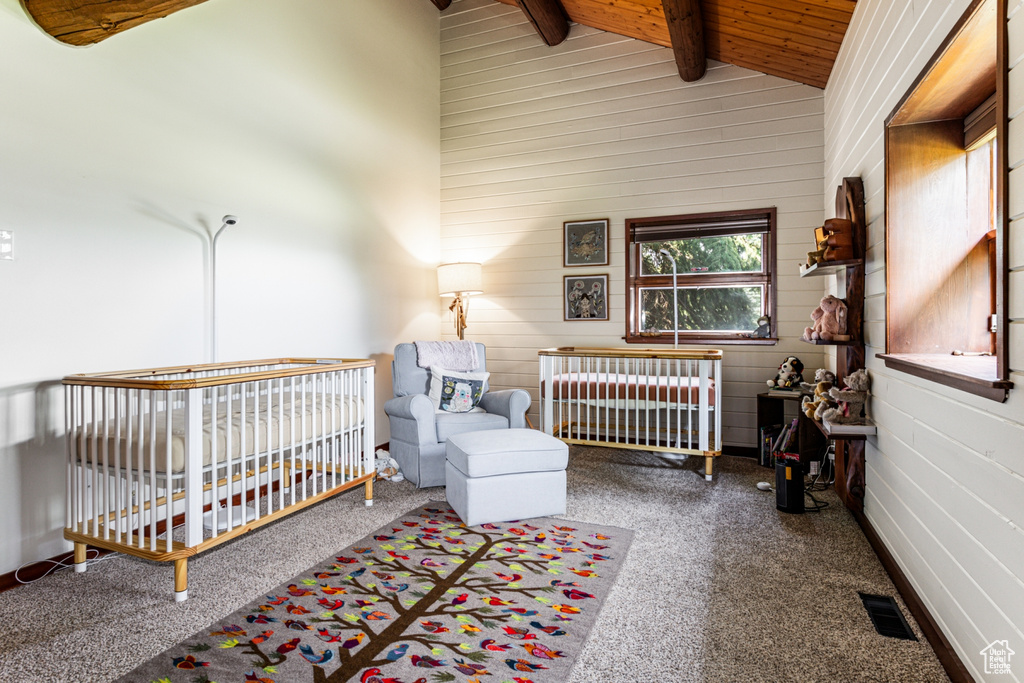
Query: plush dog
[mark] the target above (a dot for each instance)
(790, 374)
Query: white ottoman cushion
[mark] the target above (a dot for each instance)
(503, 475)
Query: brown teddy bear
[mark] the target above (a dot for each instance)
(850, 400)
(824, 381)
(829, 320)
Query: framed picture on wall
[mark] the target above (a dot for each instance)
(586, 297)
(585, 243)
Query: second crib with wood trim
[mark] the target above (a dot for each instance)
(165, 463)
(643, 399)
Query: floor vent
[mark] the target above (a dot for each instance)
(886, 616)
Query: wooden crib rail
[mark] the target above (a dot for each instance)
(151, 378)
(675, 354)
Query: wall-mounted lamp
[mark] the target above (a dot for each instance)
(459, 280)
(226, 221)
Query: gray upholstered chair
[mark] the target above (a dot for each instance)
(419, 434)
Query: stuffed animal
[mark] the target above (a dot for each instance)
(790, 374)
(850, 400)
(829, 320)
(824, 381)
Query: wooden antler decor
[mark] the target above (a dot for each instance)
(548, 17)
(84, 22)
(686, 29)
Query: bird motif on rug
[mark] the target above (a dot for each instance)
(585, 573)
(297, 609)
(252, 677)
(394, 589)
(307, 653)
(285, 648)
(256, 640)
(522, 665)
(495, 601)
(277, 599)
(519, 633)
(330, 636)
(427, 562)
(576, 594)
(259, 619)
(471, 669)
(510, 578)
(521, 610)
(397, 555)
(376, 615)
(469, 628)
(353, 641)
(595, 546)
(346, 560)
(297, 625)
(373, 676)
(325, 575)
(397, 653)
(233, 630)
(565, 528)
(433, 627)
(357, 573)
(331, 605)
(491, 644)
(566, 609)
(427, 662)
(542, 651)
(517, 532)
(188, 662)
(460, 599)
(550, 630)
(298, 592)
(383, 576)
(331, 590)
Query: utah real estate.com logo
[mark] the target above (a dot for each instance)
(997, 657)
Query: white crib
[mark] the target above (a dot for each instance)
(167, 462)
(643, 399)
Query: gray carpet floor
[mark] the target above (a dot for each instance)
(718, 585)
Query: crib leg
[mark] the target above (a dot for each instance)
(369, 492)
(80, 558)
(181, 580)
(708, 460)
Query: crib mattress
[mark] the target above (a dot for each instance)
(625, 387)
(329, 415)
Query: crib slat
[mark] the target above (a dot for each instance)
(193, 480)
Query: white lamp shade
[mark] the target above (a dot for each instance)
(458, 278)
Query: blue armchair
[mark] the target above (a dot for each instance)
(418, 433)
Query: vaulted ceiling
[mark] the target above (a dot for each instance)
(793, 39)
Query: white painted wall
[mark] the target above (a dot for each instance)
(315, 122)
(601, 126)
(945, 476)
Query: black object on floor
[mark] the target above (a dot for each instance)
(886, 616)
(789, 486)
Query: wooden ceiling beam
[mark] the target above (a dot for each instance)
(84, 22)
(441, 4)
(686, 29)
(548, 17)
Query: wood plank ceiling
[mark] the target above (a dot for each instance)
(793, 39)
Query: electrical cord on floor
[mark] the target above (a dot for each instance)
(64, 563)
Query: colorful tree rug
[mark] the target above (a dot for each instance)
(423, 600)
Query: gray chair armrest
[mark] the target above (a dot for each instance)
(510, 403)
(418, 409)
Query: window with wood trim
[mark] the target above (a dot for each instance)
(724, 277)
(945, 180)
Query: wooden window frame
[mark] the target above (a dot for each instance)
(683, 226)
(956, 82)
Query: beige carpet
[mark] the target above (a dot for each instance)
(718, 585)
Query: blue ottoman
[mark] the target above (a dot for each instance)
(505, 474)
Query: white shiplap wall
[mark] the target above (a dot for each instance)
(945, 475)
(601, 126)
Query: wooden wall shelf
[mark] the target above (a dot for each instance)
(828, 267)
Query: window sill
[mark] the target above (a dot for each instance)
(704, 341)
(973, 374)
